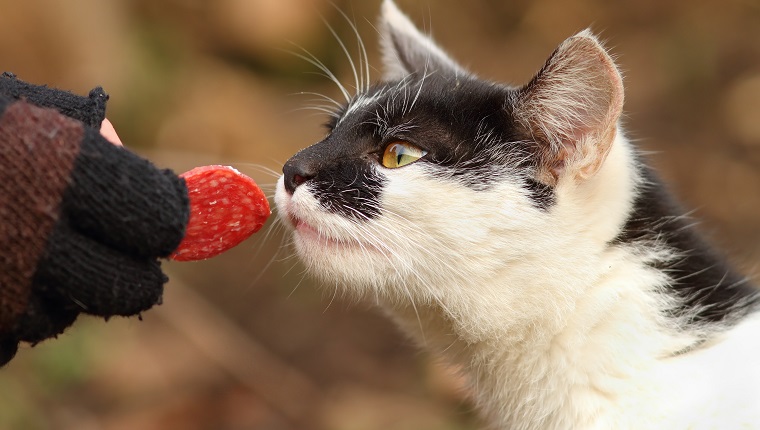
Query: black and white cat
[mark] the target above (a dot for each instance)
(516, 233)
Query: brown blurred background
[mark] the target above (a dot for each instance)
(244, 341)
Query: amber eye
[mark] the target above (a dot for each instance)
(400, 153)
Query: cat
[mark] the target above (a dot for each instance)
(516, 233)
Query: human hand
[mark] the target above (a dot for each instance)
(107, 130)
(83, 221)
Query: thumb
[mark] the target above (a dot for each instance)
(107, 130)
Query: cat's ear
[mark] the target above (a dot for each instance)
(406, 50)
(571, 108)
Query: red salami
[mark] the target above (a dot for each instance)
(226, 207)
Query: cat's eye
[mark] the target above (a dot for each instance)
(401, 153)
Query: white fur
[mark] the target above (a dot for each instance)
(555, 328)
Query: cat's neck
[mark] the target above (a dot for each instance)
(552, 354)
(534, 378)
(558, 372)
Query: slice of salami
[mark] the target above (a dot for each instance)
(226, 207)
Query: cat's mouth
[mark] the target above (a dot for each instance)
(303, 228)
(317, 232)
(310, 233)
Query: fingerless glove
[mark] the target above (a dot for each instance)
(83, 222)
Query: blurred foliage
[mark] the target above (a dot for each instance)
(244, 341)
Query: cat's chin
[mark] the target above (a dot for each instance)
(334, 261)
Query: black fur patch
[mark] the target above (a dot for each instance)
(541, 194)
(708, 289)
(339, 174)
(350, 189)
(464, 124)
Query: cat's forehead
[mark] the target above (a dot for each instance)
(461, 122)
(425, 99)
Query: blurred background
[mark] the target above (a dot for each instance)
(245, 341)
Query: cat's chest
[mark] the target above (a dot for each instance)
(710, 388)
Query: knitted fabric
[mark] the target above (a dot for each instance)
(33, 178)
(90, 110)
(82, 221)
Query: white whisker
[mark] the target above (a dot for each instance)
(346, 52)
(363, 58)
(311, 59)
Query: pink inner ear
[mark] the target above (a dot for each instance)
(572, 106)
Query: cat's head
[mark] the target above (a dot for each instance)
(434, 178)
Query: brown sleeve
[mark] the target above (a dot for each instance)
(38, 148)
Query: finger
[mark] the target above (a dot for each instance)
(107, 130)
(45, 317)
(124, 201)
(98, 279)
(8, 349)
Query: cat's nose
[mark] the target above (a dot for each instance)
(296, 173)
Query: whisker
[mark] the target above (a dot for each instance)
(363, 58)
(345, 51)
(332, 299)
(261, 168)
(321, 96)
(293, 291)
(321, 109)
(425, 74)
(372, 239)
(313, 60)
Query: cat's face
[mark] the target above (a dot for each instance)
(434, 178)
(407, 184)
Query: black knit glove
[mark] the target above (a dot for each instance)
(82, 221)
